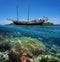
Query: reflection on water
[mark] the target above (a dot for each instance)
(31, 39)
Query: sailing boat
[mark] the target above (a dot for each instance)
(31, 22)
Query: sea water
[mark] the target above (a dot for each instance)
(49, 35)
(43, 33)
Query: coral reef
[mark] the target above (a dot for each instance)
(27, 49)
(4, 57)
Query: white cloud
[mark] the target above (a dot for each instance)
(55, 20)
(2, 22)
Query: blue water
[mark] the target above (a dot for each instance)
(47, 34)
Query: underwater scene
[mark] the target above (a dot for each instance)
(29, 43)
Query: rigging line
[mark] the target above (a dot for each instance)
(28, 10)
(17, 10)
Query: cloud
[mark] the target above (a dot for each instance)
(55, 20)
(2, 22)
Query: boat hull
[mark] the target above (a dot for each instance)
(24, 23)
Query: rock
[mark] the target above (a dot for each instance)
(58, 55)
(4, 45)
(53, 59)
(20, 45)
(29, 45)
(14, 56)
(55, 48)
(47, 58)
(25, 46)
(4, 56)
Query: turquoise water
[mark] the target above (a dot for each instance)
(44, 33)
(48, 35)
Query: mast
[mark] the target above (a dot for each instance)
(28, 10)
(17, 10)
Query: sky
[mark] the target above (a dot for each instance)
(38, 9)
